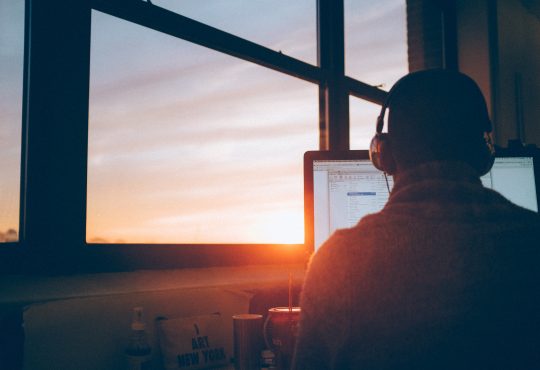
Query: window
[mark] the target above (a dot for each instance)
(170, 134)
(11, 77)
(363, 117)
(193, 146)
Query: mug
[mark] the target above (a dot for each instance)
(280, 332)
(247, 341)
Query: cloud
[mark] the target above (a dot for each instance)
(376, 43)
(245, 106)
(199, 139)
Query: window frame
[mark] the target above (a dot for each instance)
(55, 134)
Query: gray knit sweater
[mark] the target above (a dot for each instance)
(446, 276)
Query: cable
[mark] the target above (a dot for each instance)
(386, 179)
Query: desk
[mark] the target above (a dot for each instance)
(82, 322)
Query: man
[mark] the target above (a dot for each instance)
(446, 276)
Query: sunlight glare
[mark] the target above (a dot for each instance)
(281, 227)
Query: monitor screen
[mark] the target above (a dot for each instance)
(514, 178)
(343, 187)
(344, 191)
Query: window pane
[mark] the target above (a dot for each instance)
(376, 41)
(187, 145)
(363, 118)
(281, 25)
(11, 83)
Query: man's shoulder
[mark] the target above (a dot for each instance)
(504, 210)
(345, 244)
(365, 229)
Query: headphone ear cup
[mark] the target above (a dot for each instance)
(380, 153)
(487, 157)
(375, 151)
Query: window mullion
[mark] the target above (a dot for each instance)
(56, 133)
(333, 96)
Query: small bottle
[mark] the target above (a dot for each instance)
(138, 352)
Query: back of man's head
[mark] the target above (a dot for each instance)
(437, 115)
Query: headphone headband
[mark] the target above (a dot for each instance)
(380, 148)
(380, 119)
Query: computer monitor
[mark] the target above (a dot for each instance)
(342, 187)
(514, 177)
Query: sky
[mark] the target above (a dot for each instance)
(188, 145)
(11, 71)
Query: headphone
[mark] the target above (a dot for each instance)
(380, 150)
